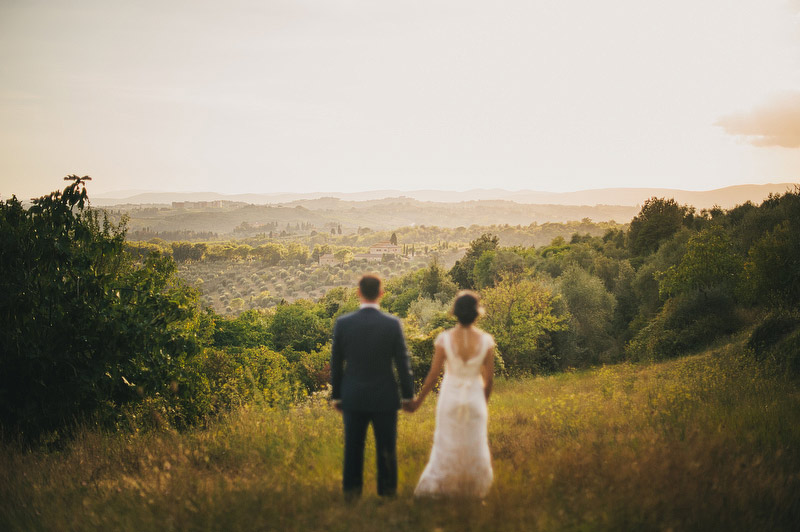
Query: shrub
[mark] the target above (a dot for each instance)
(85, 328)
(297, 327)
(591, 309)
(777, 340)
(241, 376)
(685, 324)
(519, 313)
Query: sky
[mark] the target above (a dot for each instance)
(350, 95)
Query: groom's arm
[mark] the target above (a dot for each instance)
(403, 365)
(337, 366)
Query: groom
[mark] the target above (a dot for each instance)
(366, 344)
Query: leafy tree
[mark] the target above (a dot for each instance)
(186, 251)
(435, 283)
(428, 314)
(297, 252)
(462, 272)
(245, 376)
(338, 301)
(319, 250)
(249, 329)
(483, 271)
(401, 292)
(773, 266)
(494, 264)
(657, 221)
(685, 323)
(709, 262)
(393, 239)
(270, 253)
(86, 329)
(591, 309)
(519, 313)
(343, 255)
(297, 327)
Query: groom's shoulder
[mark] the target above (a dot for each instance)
(391, 318)
(344, 318)
(358, 314)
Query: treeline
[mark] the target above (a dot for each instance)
(94, 333)
(675, 281)
(533, 234)
(270, 253)
(147, 234)
(302, 249)
(97, 333)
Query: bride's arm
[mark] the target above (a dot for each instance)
(488, 373)
(433, 374)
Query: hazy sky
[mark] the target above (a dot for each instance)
(336, 95)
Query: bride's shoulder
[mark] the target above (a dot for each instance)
(440, 338)
(489, 338)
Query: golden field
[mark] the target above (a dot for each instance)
(706, 442)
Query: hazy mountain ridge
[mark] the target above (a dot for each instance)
(724, 197)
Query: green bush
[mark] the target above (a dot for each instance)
(591, 309)
(243, 376)
(685, 324)
(249, 329)
(86, 329)
(777, 340)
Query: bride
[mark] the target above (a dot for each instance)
(460, 463)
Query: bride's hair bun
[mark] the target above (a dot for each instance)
(467, 307)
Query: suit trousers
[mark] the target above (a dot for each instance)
(384, 427)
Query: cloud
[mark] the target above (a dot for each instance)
(774, 123)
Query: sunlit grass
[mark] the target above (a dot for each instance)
(709, 442)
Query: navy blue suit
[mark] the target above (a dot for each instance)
(368, 345)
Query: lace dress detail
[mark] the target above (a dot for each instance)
(460, 462)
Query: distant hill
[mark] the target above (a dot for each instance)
(724, 197)
(383, 214)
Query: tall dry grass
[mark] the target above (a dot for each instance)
(709, 442)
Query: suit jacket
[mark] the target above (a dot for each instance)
(366, 344)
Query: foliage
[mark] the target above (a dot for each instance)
(492, 265)
(773, 266)
(519, 313)
(685, 324)
(249, 329)
(338, 301)
(462, 272)
(86, 329)
(238, 377)
(401, 291)
(657, 221)
(710, 262)
(591, 309)
(298, 327)
(429, 314)
(777, 339)
(133, 333)
(435, 284)
(270, 253)
(186, 251)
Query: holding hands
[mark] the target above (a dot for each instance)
(412, 405)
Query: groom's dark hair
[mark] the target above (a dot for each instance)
(370, 286)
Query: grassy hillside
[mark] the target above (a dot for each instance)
(707, 442)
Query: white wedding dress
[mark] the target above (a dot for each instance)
(460, 462)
